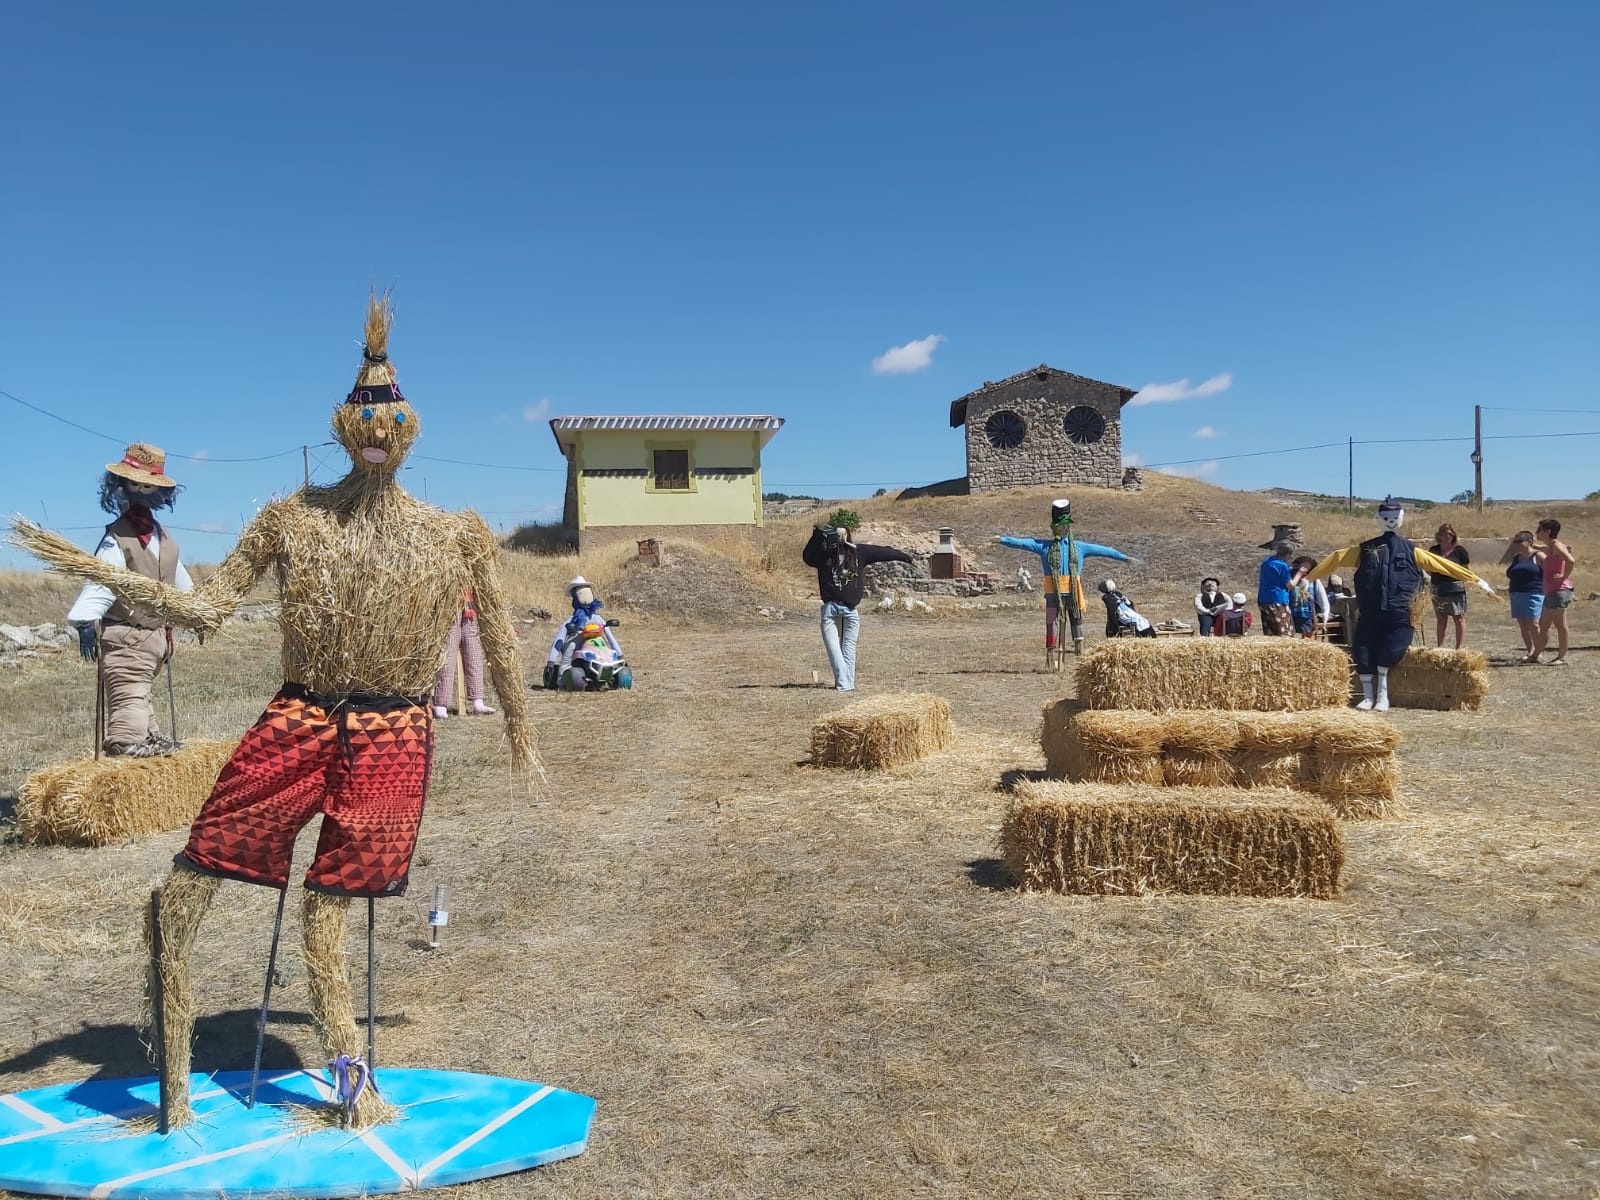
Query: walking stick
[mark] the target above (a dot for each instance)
(99, 692)
(172, 701)
(159, 988)
(266, 997)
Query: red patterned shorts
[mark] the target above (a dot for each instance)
(363, 762)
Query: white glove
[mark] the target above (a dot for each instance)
(1483, 585)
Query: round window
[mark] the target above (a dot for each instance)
(1084, 425)
(1005, 430)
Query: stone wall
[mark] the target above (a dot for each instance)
(1047, 455)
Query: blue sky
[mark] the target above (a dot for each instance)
(1362, 218)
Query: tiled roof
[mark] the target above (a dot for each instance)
(565, 427)
(958, 408)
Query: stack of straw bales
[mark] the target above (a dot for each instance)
(1441, 679)
(93, 802)
(1091, 839)
(882, 731)
(1220, 713)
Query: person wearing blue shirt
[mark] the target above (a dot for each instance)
(1061, 564)
(1272, 591)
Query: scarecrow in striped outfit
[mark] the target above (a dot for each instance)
(1061, 558)
(370, 581)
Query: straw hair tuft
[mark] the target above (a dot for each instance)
(1133, 841)
(882, 731)
(92, 802)
(376, 369)
(1256, 674)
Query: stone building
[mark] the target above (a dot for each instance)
(1042, 426)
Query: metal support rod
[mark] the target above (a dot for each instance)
(305, 460)
(266, 998)
(159, 1001)
(372, 987)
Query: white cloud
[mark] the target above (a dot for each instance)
(200, 455)
(1193, 470)
(1161, 393)
(536, 412)
(1132, 460)
(1205, 431)
(913, 356)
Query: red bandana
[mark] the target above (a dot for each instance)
(144, 524)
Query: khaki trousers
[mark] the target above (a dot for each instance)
(130, 657)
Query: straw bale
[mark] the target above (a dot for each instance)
(1101, 840)
(1188, 768)
(99, 803)
(1267, 768)
(1104, 747)
(1275, 731)
(1356, 786)
(1254, 674)
(1440, 679)
(1345, 731)
(882, 731)
(1202, 730)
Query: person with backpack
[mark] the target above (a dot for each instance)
(840, 564)
(1388, 573)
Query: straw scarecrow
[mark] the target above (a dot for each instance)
(370, 581)
(1061, 561)
(1388, 575)
(131, 643)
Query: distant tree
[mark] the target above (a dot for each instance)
(780, 497)
(845, 518)
(880, 492)
(1464, 497)
(1595, 495)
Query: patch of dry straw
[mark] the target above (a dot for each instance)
(1256, 674)
(322, 922)
(1356, 786)
(882, 731)
(101, 802)
(1445, 680)
(1103, 840)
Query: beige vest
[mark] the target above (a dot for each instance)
(140, 560)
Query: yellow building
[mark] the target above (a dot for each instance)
(639, 477)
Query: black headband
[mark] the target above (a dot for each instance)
(376, 393)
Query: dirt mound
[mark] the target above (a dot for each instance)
(698, 585)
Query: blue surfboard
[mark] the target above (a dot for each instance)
(96, 1138)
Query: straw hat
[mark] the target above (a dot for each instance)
(143, 463)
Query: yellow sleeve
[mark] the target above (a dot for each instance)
(1435, 565)
(1350, 556)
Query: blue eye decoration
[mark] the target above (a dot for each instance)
(399, 418)
(366, 414)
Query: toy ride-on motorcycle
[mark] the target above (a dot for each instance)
(587, 659)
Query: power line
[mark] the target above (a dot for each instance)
(461, 462)
(125, 442)
(1591, 412)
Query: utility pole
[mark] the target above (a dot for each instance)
(1477, 455)
(1350, 479)
(305, 460)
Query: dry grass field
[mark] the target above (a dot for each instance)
(780, 980)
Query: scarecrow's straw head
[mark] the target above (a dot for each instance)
(375, 423)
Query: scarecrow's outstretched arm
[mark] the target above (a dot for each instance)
(500, 643)
(204, 608)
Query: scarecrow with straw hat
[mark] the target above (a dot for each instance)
(132, 642)
(1061, 558)
(370, 581)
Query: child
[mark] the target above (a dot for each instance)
(1236, 621)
